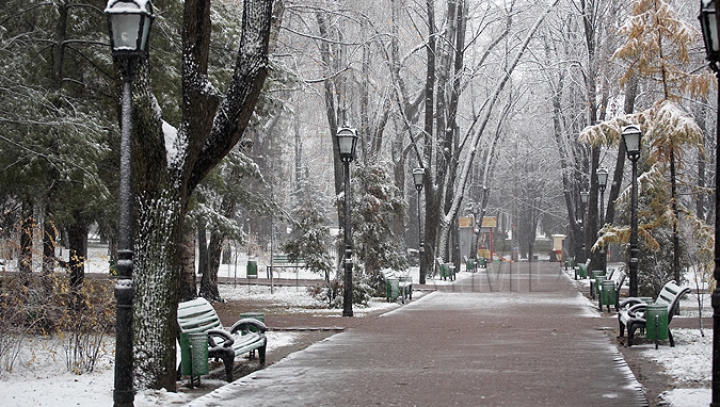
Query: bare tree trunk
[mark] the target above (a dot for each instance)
(432, 192)
(473, 143)
(630, 96)
(77, 246)
(675, 220)
(700, 198)
(209, 283)
(25, 252)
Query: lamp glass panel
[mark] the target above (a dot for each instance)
(125, 29)
(346, 141)
(147, 21)
(418, 175)
(632, 142)
(602, 177)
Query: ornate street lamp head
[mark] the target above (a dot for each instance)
(347, 140)
(129, 23)
(711, 32)
(584, 197)
(632, 137)
(602, 177)
(418, 177)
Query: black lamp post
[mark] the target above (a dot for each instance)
(602, 177)
(129, 24)
(711, 34)
(418, 178)
(347, 140)
(584, 199)
(632, 137)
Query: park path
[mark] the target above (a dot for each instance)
(518, 334)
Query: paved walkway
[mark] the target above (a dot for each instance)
(520, 335)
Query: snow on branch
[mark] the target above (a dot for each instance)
(663, 121)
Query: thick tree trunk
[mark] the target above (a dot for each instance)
(156, 289)
(204, 138)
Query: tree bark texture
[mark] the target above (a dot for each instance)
(211, 126)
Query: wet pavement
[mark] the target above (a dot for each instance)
(519, 334)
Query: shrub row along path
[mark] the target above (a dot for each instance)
(519, 334)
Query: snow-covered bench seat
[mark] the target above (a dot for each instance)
(632, 310)
(245, 336)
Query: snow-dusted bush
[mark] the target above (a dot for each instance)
(41, 306)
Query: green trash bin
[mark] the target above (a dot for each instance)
(656, 323)
(582, 271)
(607, 294)
(251, 269)
(445, 270)
(194, 354)
(596, 276)
(392, 288)
(596, 273)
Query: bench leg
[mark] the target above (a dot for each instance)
(261, 353)
(622, 327)
(672, 341)
(229, 361)
(631, 333)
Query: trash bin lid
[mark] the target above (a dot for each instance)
(608, 283)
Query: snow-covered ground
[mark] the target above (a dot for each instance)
(690, 364)
(40, 377)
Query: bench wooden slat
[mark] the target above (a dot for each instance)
(283, 260)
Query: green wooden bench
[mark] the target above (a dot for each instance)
(581, 269)
(406, 288)
(632, 310)
(245, 336)
(284, 261)
(447, 270)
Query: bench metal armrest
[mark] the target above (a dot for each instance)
(225, 335)
(631, 301)
(246, 325)
(637, 310)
